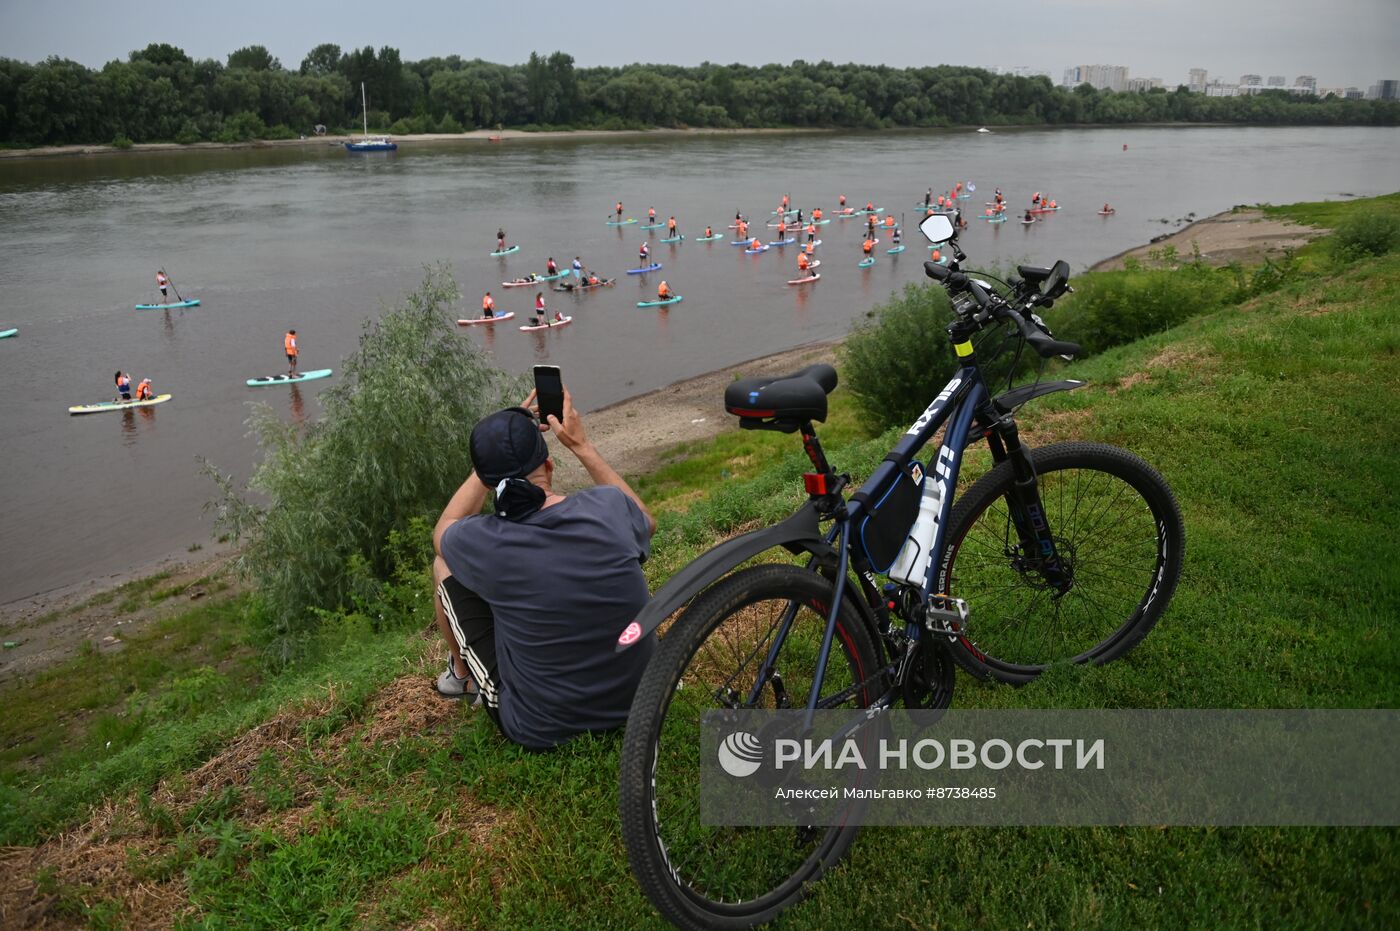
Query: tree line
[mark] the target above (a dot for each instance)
(161, 94)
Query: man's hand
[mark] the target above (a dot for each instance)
(570, 432)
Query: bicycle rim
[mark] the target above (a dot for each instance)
(704, 876)
(1116, 526)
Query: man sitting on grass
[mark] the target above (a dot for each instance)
(531, 597)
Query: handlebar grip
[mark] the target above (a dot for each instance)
(936, 271)
(978, 293)
(1044, 344)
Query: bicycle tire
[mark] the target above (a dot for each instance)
(667, 847)
(1116, 524)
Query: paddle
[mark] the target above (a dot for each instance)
(172, 287)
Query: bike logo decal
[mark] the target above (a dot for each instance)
(931, 411)
(740, 754)
(631, 635)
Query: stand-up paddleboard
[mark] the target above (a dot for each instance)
(1107, 213)
(602, 283)
(816, 242)
(670, 300)
(6, 334)
(807, 280)
(866, 263)
(814, 264)
(654, 266)
(521, 284)
(1044, 209)
(527, 328)
(288, 379)
(895, 251)
(755, 251)
(621, 222)
(116, 405)
(651, 226)
(709, 238)
(782, 242)
(672, 239)
(1025, 222)
(496, 255)
(941, 260)
(740, 242)
(561, 273)
(861, 213)
(997, 219)
(465, 321)
(193, 303)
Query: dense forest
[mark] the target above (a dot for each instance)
(160, 94)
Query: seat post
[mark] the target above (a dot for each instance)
(813, 447)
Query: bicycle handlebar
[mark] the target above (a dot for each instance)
(994, 306)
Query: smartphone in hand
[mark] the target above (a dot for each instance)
(549, 392)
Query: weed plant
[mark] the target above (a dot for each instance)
(391, 447)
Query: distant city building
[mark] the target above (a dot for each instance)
(1217, 88)
(1338, 92)
(1250, 80)
(1354, 93)
(1385, 90)
(1197, 82)
(1276, 80)
(1143, 84)
(1102, 77)
(1308, 81)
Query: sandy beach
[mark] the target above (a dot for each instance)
(484, 136)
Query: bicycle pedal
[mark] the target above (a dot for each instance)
(946, 615)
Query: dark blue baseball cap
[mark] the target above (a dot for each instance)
(507, 444)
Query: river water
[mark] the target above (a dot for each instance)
(316, 239)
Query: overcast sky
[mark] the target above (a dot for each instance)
(1340, 42)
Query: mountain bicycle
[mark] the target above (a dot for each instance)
(1067, 553)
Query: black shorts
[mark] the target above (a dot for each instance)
(474, 628)
(291, 359)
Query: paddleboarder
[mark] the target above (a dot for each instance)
(144, 391)
(289, 343)
(551, 268)
(488, 306)
(123, 387)
(663, 292)
(671, 230)
(642, 255)
(619, 211)
(501, 240)
(162, 282)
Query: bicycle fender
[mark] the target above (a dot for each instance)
(798, 533)
(1018, 396)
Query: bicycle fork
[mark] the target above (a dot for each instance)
(1038, 551)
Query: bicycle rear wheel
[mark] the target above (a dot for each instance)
(700, 876)
(1117, 531)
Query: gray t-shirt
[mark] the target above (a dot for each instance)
(562, 584)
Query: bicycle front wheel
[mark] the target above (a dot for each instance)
(1118, 534)
(701, 876)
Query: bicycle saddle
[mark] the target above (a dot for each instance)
(781, 402)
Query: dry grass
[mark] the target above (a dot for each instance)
(107, 857)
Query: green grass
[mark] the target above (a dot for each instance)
(1329, 213)
(1273, 421)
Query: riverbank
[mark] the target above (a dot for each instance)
(634, 435)
(1241, 234)
(485, 136)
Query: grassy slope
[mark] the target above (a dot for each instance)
(1275, 424)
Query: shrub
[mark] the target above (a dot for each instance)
(449, 124)
(1365, 234)
(898, 361)
(1113, 308)
(122, 141)
(188, 133)
(391, 447)
(242, 127)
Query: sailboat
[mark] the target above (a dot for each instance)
(368, 143)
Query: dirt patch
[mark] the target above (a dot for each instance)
(52, 627)
(122, 857)
(1053, 427)
(1239, 235)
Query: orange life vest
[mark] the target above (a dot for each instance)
(755, 244)
(889, 221)
(817, 214)
(662, 291)
(289, 342)
(144, 391)
(869, 246)
(488, 303)
(161, 280)
(802, 262)
(869, 206)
